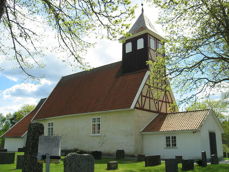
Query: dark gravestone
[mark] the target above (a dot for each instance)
(21, 149)
(171, 165)
(152, 160)
(140, 157)
(204, 159)
(3, 150)
(224, 154)
(112, 165)
(214, 159)
(179, 159)
(30, 159)
(7, 157)
(74, 162)
(120, 154)
(20, 162)
(97, 154)
(187, 165)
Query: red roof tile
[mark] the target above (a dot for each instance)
(100, 89)
(19, 129)
(177, 121)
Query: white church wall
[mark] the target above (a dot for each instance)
(12, 144)
(188, 145)
(118, 131)
(210, 125)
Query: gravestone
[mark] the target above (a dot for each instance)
(74, 162)
(152, 160)
(112, 165)
(140, 157)
(214, 159)
(21, 149)
(97, 154)
(204, 159)
(179, 159)
(7, 157)
(120, 154)
(187, 165)
(3, 150)
(30, 159)
(171, 165)
(20, 162)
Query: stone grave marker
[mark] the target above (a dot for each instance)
(120, 154)
(7, 157)
(112, 165)
(214, 159)
(171, 165)
(204, 159)
(20, 162)
(74, 162)
(49, 150)
(30, 159)
(152, 160)
(187, 165)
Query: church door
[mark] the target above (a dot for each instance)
(212, 139)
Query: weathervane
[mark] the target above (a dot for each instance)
(142, 8)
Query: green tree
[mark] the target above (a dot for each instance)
(72, 21)
(196, 44)
(16, 116)
(9, 119)
(219, 106)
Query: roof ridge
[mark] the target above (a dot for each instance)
(191, 111)
(91, 70)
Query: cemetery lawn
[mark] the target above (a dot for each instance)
(124, 166)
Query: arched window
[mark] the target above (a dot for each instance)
(128, 47)
(153, 43)
(140, 43)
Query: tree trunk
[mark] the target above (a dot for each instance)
(2, 6)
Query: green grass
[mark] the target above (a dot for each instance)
(124, 166)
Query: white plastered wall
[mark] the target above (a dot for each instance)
(211, 125)
(188, 145)
(12, 144)
(119, 130)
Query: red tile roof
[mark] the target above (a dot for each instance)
(177, 121)
(100, 89)
(21, 127)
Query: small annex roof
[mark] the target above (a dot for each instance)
(100, 89)
(179, 121)
(142, 23)
(21, 127)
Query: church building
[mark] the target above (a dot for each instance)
(115, 107)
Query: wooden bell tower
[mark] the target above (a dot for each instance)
(137, 49)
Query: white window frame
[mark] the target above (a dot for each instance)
(50, 128)
(170, 141)
(153, 43)
(128, 47)
(97, 122)
(140, 43)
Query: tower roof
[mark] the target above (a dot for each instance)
(142, 23)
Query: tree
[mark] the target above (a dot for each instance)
(9, 119)
(72, 20)
(219, 106)
(196, 44)
(16, 116)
